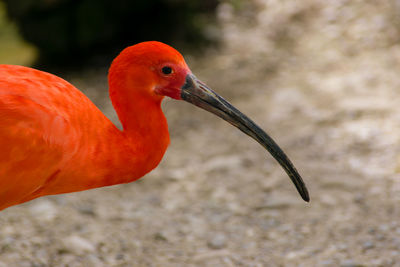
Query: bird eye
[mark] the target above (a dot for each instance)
(166, 70)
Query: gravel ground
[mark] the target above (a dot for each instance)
(322, 77)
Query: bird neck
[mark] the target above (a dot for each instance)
(140, 146)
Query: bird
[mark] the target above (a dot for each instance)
(54, 140)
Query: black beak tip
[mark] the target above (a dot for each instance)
(300, 185)
(305, 196)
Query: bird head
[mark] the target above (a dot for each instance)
(154, 70)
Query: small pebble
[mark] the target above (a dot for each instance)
(327, 262)
(44, 210)
(342, 247)
(350, 263)
(281, 201)
(384, 227)
(87, 209)
(78, 245)
(217, 242)
(160, 236)
(368, 245)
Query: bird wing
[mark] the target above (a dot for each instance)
(31, 147)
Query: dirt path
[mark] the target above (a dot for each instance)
(324, 80)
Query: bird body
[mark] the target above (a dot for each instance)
(54, 140)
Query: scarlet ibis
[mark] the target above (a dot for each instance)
(54, 140)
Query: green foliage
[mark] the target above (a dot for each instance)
(70, 30)
(13, 50)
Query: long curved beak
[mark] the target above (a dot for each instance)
(197, 93)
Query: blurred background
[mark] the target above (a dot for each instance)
(322, 77)
(64, 31)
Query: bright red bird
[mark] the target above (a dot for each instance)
(54, 140)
